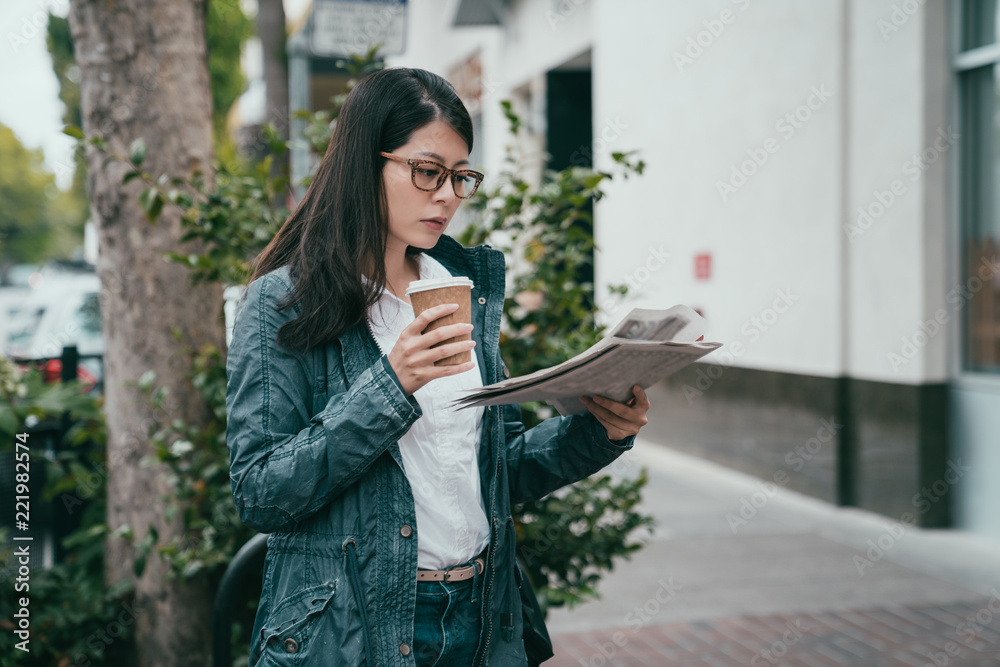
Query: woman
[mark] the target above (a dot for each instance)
(391, 540)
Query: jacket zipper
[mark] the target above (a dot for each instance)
(488, 590)
(374, 338)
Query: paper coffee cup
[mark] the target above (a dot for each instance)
(426, 294)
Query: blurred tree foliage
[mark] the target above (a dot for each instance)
(34, 212)
(60, 45)
(226, 29)
(567, 540)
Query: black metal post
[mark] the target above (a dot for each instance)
(232, 580)
(70, 360)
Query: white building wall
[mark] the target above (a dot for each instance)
(514, 56)
(697, 117)
(776, 237)
(895, 196)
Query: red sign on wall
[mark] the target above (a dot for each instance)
(703, 266)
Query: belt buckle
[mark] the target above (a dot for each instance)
(453, 571)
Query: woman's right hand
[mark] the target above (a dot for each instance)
(412, 358)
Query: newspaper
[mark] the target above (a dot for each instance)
(642, 349)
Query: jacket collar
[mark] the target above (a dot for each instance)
(485, 267)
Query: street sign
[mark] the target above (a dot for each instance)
(344, 27)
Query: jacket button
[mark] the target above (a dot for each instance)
(291, 645)
(405, 531)
(482, 300)
(506, 372)
(404, 648)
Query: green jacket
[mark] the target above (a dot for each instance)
(314, 461)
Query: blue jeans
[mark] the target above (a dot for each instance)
(447, 622)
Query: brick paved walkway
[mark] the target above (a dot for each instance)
(958, 635)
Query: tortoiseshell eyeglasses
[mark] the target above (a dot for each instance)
(429, 176)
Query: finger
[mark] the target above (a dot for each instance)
(620, 409)
(635, 418)
(454, 369)
(641, 399)
(613, 432)
(431, 314)
(607, 417)
(639, 403)
(432, 338)
(451, 348)
(428, 356)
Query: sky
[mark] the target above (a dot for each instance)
(30, 102)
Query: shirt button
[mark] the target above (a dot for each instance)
(405, 531)
(404, 648)
(482, 300)
(291, 645)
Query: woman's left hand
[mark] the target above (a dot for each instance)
(620, 420)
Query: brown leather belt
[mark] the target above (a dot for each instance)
(458, 573)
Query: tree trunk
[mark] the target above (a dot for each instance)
(144, 74)
(271, 31)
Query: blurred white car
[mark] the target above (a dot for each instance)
(63, 310)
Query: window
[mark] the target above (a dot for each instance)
(978, 67)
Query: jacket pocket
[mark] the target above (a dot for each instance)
(289, 631)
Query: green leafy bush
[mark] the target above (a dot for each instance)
(567, 540)
(74, 618)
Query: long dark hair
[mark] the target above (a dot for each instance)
(341, 225)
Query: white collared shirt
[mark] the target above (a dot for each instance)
(440, 450)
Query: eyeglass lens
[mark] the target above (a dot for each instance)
(428, 177)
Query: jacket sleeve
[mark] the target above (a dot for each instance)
(285, 463)
(556, 452)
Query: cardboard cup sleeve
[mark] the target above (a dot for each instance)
(426, 294)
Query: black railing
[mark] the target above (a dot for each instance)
(69, 359)
(50, 518)
(246, 561)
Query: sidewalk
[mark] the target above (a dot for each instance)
(789, 581)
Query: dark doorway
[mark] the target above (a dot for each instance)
(569, 119)
(569, 136)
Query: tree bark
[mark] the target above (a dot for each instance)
(144, 74)
(271, 31)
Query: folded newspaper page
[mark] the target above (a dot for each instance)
(645, 347)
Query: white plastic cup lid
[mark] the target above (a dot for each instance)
(437, 283)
